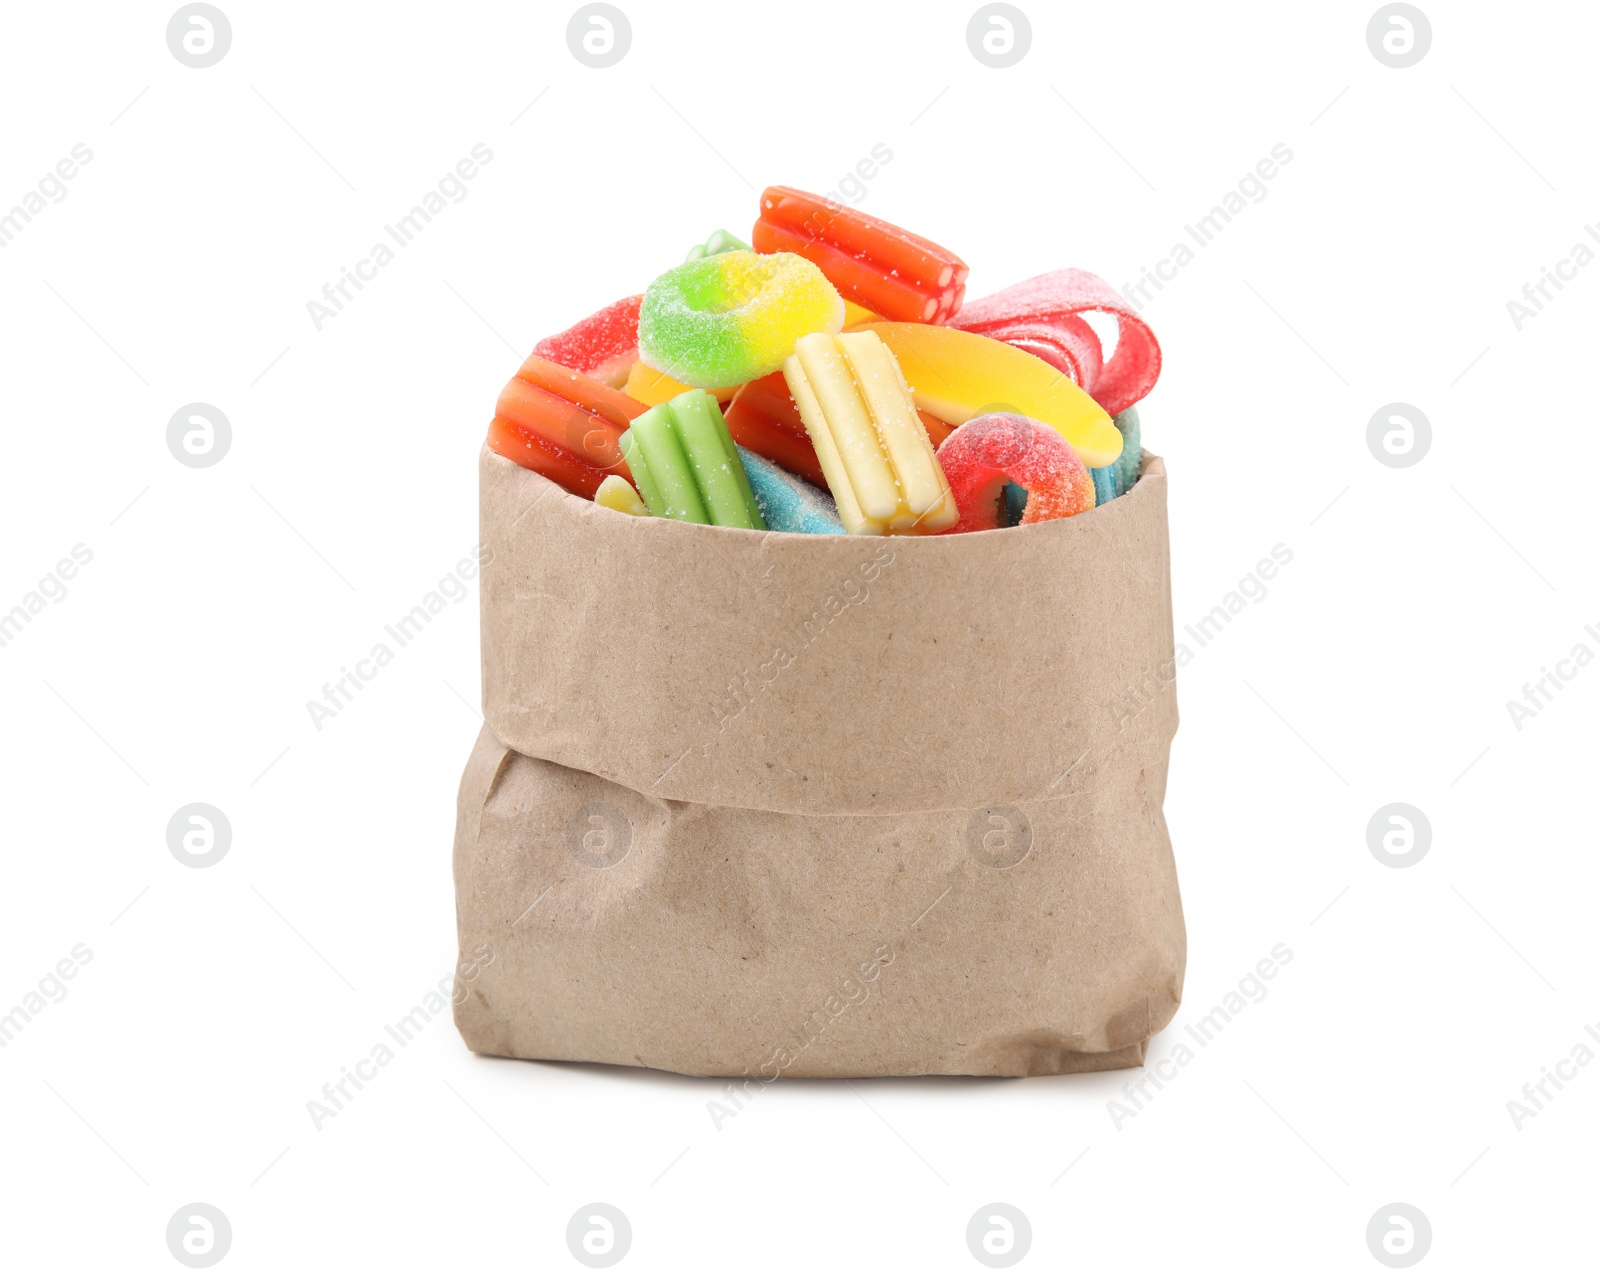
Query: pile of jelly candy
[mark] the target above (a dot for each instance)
(826, 379)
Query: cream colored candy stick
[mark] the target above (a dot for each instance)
(922, 484)
(828, 458)
(846, 418)
(871, 447)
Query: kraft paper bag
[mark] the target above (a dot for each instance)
(760, 805)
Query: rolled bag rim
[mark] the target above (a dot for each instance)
(536, 716)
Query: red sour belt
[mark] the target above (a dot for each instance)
(604, 345)
(1042, 316)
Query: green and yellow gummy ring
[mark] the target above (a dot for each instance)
(733, 317)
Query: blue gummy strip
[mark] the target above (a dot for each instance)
(787, 502)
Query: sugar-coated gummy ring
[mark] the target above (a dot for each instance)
(985, 453)
(734, 317)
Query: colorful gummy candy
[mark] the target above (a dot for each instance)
(616, 494)
(981, 456)
(762, 417)
(1104, 481)
(686, 467)
(1043, 316)
(734, 317)
(563, 425)
(787, 503)
(1118, 478)
(855, 315)
(721, 241)
(872, 447)
(653, 387)
(603, 346)
(893, 273)
(861, 397)
(1127, 422)
(955, 375)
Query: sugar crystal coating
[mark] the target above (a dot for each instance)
(985, 453)
(602, 346)
(687, 467)
(733, 317)
(1042, 316)
(787, 503)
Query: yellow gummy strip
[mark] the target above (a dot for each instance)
(855, 315)
(652, 387)
(957, 374)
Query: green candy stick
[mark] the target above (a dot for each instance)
(641, 475)
(686, 465)
(675, 493)
(717, 244)
(718, 471)
(756, 520)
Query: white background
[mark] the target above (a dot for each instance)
(178, 666)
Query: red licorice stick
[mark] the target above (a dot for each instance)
(563, 425)
(900, 275)
(762, 418)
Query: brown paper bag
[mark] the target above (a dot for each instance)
(820, 806)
